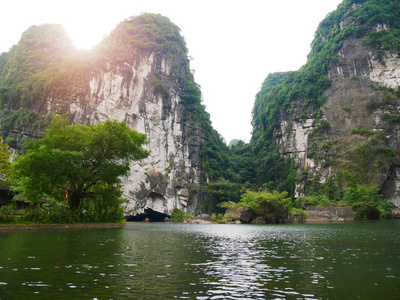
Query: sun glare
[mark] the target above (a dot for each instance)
(85, 37)
(83, 41)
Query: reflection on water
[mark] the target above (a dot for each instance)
(187, 261)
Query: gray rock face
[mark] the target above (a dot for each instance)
(238, 214)
(391, 187)
(165, 179)
(332, 213)
(200, 219)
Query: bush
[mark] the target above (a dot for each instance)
(347, 109)
(178, 215)
(59, 215)
(273, 207)
(367, 203)
(298, 211)
(7, 214)
(371, 105)
(322, 127)
(386, 209)
(218, 218)
(313, 201)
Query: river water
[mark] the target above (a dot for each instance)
(349, 260)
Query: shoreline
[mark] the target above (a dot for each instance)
(16, 227)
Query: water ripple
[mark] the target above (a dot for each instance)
(177, 261)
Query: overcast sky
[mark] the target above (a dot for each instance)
(234, 44)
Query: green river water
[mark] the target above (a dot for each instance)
(349, 260)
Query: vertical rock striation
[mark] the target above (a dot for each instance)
(125, 93)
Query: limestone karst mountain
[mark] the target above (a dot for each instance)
(138, 74)
(335, 122)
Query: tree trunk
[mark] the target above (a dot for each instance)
(74, 201)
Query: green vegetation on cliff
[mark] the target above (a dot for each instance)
(145, 33)
(43, 65)
(271, 168)
(27, 71)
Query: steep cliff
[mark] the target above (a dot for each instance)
(138, 74)
(336, 120)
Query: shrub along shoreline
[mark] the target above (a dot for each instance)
(60, 215)
(17, 227)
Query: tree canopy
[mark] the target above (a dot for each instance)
(86, 160)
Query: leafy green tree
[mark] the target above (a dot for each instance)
(4, 159)
(272, 206)
(88, 161)
(178, 215)
(367, 202)
(219, 191)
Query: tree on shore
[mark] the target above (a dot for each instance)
(4, 159)
(87, 161)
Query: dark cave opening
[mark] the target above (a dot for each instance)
(153, 216)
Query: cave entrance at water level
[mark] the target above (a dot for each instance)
(153, 216)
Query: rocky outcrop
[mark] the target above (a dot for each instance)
(239, 213)
(200, 219)
(396, 213)
(330, 213)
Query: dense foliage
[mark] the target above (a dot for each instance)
(86, 161)
(367, 202)
(271, 168)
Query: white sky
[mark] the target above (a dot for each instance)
(235, 44)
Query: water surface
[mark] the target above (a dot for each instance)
(351, 260)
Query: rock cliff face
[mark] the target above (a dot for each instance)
(164, 180)
(360, 103)
(331, 213)
(140, 84)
